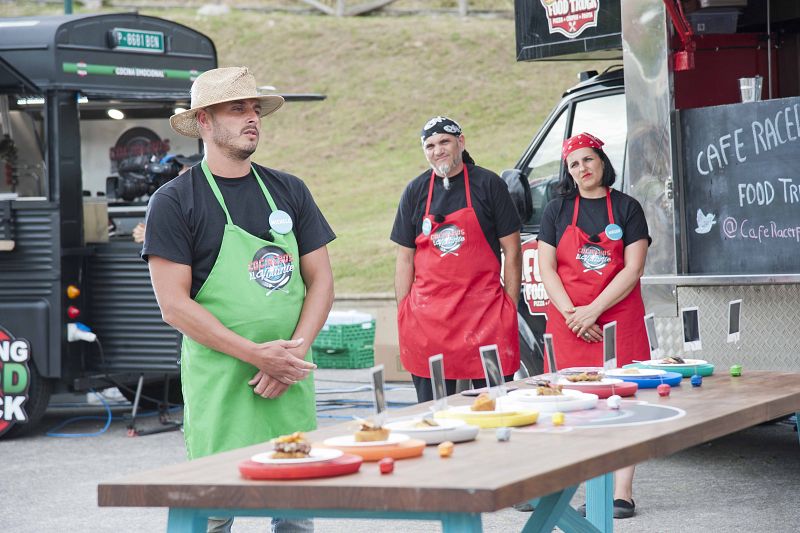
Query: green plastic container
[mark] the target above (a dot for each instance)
(328, 358)
(346, 336)
(345, 345)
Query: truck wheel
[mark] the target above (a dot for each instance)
(39, 391)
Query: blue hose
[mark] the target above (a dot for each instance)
(54, 431)
(108, 418)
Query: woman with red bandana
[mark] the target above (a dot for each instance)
(592, 248)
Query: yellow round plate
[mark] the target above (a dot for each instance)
(492, 420)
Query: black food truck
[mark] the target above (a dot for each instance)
(701, 119)
(84, 139)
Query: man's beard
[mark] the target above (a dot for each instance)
(239, 154)
(226, 141)
(444, 168)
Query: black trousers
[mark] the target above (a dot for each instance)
(424, 387)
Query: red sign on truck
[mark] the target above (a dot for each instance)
(570, 17)
(14, 379)
(532, 287)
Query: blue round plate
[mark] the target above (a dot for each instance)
(651, 382)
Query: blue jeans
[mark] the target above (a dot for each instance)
(279, 525)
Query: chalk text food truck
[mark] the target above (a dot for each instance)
(84, 102)
(719, 179)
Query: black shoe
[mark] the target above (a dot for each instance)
(524, 507)
(624, 508)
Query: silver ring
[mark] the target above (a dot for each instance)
(585, 335)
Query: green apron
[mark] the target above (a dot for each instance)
(255, 289)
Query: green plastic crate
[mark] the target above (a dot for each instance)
(346, 336)
(329, 358)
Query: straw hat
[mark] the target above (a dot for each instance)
(217, 86)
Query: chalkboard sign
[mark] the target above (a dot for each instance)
(741, 183)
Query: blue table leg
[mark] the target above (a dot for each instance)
(572, 522)
(797, 423)
(549, 510)
(194, 520)
(462, 522)
(183, 520)
(600, 502)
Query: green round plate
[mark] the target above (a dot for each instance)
(687, 372)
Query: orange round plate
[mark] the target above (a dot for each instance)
(403, 450)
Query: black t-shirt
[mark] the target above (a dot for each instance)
(593, 218)
(185, 222)
(490, 198)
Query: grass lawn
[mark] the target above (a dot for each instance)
(383, 77)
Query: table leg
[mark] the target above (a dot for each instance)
(600, 502)
(797, 423)
(186, 521)
(549, 510)
(458, 522)
(195, 520)
(572, 522)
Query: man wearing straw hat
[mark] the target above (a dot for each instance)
(239, 265)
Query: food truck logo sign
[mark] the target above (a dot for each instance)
(272, 268)
(14, 379)
(570, 17)
(535, 295)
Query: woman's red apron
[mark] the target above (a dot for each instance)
(456, 303)
(585, 269)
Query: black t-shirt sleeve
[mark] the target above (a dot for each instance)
(313, 231)
(635, 224)
(167, 233)
(507, 219)
(547, 228)
(404, 230)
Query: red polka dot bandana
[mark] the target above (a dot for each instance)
(581, 140)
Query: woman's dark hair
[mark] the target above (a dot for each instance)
(566, 185)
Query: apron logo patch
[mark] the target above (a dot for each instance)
(593, 258)
(271, 268)
(448, 239)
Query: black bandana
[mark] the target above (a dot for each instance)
(440, 125)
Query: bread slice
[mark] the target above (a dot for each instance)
(372, 435)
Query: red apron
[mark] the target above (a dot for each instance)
(585, 269)
(456, 303)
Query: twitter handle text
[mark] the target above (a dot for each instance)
(745, 229)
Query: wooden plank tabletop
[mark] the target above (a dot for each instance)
(483, 475)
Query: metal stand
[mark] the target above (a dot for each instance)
(167, 424)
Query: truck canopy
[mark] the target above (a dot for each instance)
(125, 55)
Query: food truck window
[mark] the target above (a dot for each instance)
(544, 168)
(605, 118)
(22, 148)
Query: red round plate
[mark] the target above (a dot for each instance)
(342, 465)
(604, 391)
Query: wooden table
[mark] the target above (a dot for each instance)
(482, 476)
